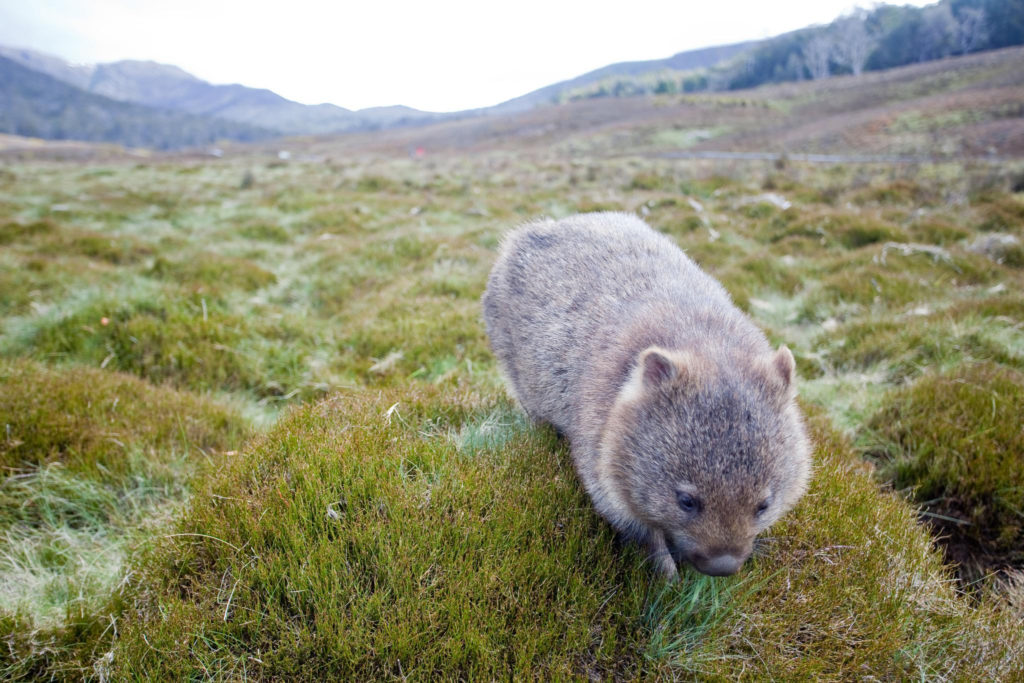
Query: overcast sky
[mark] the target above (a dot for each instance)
(438, 55)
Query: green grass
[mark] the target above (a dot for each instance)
(971, 330)
(999, 212)
(385, 543)
(394, 515)
(389, 543)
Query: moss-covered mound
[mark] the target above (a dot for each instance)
(435, 536)
(87, 419)
(955, 440)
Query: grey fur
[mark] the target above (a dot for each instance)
(669, 395)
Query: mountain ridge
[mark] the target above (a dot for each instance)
(35, 104)
(166, 86)
(884, 37)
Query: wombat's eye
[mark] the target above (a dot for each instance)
(762, 507)
(687, 503)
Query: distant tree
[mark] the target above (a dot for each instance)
(853, 43)
(817, 54)
(666, 86)
(890, 24)
(695, 83)
(720, 78)
(971, 29)
(794, 67)
(769, 62)
(883, 37)
(938, 33)
(1005, 22)
(912, 35)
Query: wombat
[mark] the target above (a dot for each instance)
(680, 416)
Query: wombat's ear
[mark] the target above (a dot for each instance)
(784, 368)
(659, 367)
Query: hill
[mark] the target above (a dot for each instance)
(163, 86)
(168, 87)
(78, 75)
(885, 37)
(959, 107)
(683, 61)
(34, 104)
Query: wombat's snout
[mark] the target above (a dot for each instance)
(718, 564)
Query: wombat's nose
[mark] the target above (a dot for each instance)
(720, 565)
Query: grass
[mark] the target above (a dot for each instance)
(252, 429)
(95, 462)
(972, 330)
(389, 544)
(211, 273)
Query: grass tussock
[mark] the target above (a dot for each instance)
(213, 273)
(953, 440)
(188, 340)
(380, 535)
(12, 231)
(89, 420)
(1000, 213)
(899, 191)
(48, 237)
(970, 331)
(384, 545)
(94, 463)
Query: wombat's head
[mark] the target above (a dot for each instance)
(707, 450)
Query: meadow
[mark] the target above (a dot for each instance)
(252, 427)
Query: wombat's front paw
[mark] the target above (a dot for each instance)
(666, 567)
(661, 558)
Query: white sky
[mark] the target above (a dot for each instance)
(437, 55)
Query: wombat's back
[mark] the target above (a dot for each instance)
(564, 293)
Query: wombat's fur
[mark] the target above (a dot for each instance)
(680, 415)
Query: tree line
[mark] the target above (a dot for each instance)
(884, 37)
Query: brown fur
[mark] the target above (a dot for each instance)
(680, 416)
